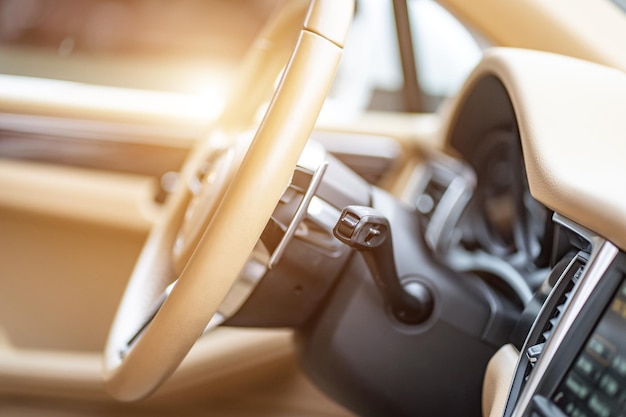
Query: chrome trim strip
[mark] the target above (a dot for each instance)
(300, 214)
(527, 343)
(582, 231)
(602, 255)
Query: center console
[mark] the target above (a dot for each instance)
(573, 362)
(596, 380)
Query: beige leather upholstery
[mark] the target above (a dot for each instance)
(498, 378)
(238, 221)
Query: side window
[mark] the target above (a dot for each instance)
(370, 76)
(370, 73)
(445, 50)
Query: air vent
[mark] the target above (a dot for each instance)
(430, 197)
(443, 191)
(563, 281)
(569, 285)
(553, 311)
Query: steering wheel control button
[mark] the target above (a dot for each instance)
(346, 226)
(362, 228)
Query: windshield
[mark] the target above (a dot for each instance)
(193, 47)
(621, 3)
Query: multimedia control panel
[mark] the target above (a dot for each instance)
(595, 384)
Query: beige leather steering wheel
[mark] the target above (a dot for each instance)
(228, 191)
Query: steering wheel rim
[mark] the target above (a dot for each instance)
(233, 229)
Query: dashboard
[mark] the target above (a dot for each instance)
(507, 236)
(516, 246)
(544, 207)
(511, 233)
(585, 377)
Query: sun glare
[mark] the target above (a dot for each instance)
(202, 106)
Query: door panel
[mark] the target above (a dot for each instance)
(69, 239)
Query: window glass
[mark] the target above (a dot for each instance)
(192, 47)
(370, 73)
(370, 76)
(445, 51)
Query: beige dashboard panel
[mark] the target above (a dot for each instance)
(570, 115)
(69, 239)
(498, 378)
(587, 29)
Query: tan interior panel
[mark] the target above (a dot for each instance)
(498, 379)
(69, 240)
(587, 29)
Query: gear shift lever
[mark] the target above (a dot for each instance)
(367, 230)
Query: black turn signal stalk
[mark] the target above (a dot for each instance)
(367, 230)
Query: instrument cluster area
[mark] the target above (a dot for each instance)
(568, 278)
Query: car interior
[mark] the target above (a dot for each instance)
(312, 208)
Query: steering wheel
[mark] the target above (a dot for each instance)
(227, 193)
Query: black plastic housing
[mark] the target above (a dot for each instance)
(367, 360)
(289, 294)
